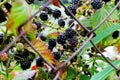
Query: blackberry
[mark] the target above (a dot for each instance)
(76, 2)
(43, 16)
(71, 23)
(56, 13)
(25, 64)
(73, 41)
(72, 9)
(57, 55)
(61, 22)
(2, 16)
(61, 38)
(70, 32)
(25, 53)
(52, 42)
(48, 10)
(42, 37)
(39, 62)
(1, 37)
(96, 4)
(38, 24)
(115, 34)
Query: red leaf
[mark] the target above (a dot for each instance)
(56, 3)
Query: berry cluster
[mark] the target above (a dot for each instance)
(96, 4)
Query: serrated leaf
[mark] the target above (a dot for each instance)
(43, 50)
(105, 72)
(19, 13)
(100, 15)
(24, 75)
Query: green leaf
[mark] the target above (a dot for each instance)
(105, 72)
(99, 37)
(24, 75)
(84, 77)
(19, 13)
(100, 15)
(71, 74)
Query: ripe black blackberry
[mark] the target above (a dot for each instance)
(96, 4)
(73, 41)
(38, 24)
(50, 47)
(76, 2)
(61, 39)
(52, 42)
(48, 10)
(1, 37)
(42, 37)
(115, 34)
(43, 16)
(39, 62)
(56, 13)
(25, 63)
(74, 59)
(57, 55)
(72, 9)
(61, 22)
(25, 53)
(70, 32)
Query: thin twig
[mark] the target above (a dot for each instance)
(103, 56)
(57, 76)
(105, 18)
(22, 33)
(30, 44)
(85, 28)
(77, 51)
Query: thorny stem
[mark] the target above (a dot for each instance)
(77, 51)
(22, 33)
(105, 18)
(85, 28)
(29, 43)
(103, 56)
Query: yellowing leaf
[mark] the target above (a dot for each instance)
(53, 35)
(19, 13)
(43, 50)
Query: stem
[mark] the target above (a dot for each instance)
(85, 28)
(77, 51)
(103, 56)
(105, 18)
(29, 43)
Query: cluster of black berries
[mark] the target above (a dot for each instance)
(68, 36)
(96, 4)
(74, 4)
(44, 15)
(24, 58)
